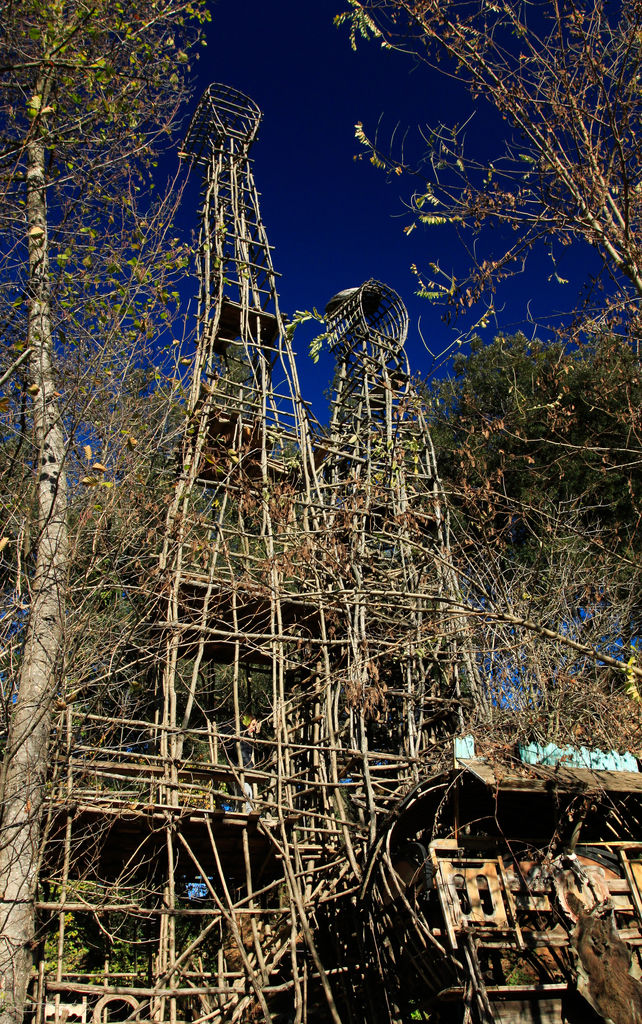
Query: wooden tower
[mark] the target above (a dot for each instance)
(247, 837)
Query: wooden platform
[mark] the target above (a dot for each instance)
(263, 327)
(542, 778)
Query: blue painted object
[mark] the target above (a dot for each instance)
(579, 757)
(465, 746)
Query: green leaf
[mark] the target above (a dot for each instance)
(432, 218)
(316, 346)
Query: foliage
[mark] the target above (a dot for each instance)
(87, 269)
(539, 447)
(99, 90)
(524, 428)
(565, 79)
(301, 317)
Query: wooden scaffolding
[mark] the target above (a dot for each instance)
(225, 854)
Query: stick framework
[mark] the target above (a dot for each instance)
(229, 855)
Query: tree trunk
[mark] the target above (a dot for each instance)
(25, 764)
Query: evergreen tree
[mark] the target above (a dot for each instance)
(527, 429)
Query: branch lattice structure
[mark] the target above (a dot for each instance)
(246, 837)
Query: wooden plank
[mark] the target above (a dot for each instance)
(619, 885)
(449, 901)
(544, 940)
(530, 990)
(539, 902)
(457, 992)
(489, 871)
(527, 1011)
(632, 880)
(510, 902)
(476, 914)
(636, 868)
(540, 778)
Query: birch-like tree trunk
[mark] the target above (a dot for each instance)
(88, 91)
(25, 762)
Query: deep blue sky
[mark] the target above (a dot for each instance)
(336, 221)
